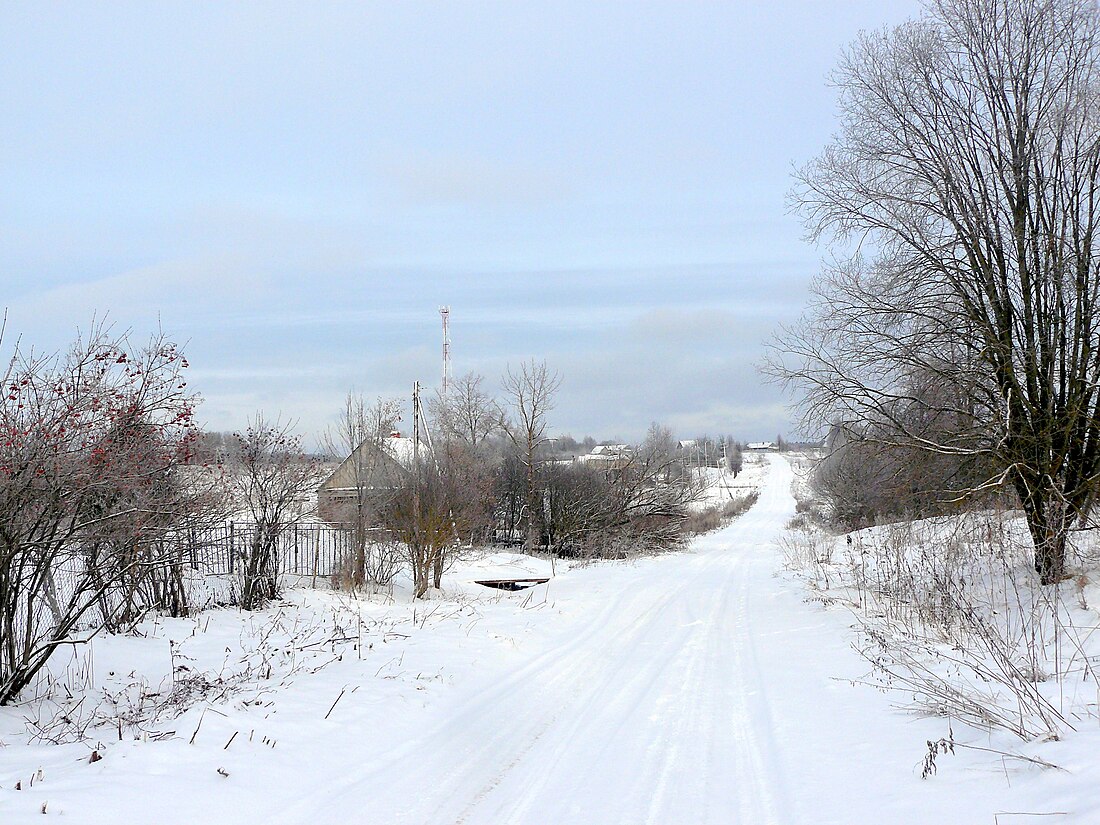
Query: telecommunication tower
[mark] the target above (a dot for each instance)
(445, 314)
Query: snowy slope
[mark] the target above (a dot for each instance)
(688, 688)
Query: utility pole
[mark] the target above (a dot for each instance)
(416, 424)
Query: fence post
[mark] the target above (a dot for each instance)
(296, 548)
(231, 548)
(316, 556)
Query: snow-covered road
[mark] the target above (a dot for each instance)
(699, 691)
(654, 712)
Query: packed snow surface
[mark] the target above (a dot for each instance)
(695, 687)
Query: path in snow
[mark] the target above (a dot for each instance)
(699, 690)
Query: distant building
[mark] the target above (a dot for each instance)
(611, 458)
(760, 446)
(611, 449)
(371, 466)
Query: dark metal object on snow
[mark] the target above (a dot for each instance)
(511, 584)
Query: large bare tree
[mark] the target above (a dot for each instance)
(467, 414)
(467, 448)
(966, 173)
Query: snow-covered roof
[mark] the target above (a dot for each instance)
(401, 448)
(610, 449)
(364, 459)
(761, 445)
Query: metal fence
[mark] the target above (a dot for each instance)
(312, 550)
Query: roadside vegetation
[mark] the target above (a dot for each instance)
(949, 357)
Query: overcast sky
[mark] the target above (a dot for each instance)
(293, 189)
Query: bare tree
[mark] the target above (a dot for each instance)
(272, 480)
(530, 392)
(968, 162)
(735, 459)
(467, 426)
(426, 512)
(509, 495)
(468, 414)
(474, 473)
(91, 447)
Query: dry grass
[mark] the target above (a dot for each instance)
(952, 617)
(714, 517)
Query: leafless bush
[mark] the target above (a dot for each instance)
(270, 652)
(423, 513)
(808, 516)
(739, 505)
(271, 478)
(92, 448)
(866, 478)
(380, 560)
(637, 503)
(808, 550)
(703, 521)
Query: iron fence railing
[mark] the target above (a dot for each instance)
(314, 550)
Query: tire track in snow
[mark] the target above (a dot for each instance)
(625, 678)
(653, 713)
(545, 682)
(609, 698)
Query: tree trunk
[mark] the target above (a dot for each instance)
(421, 569)
(1048, 520)
(359, 564)
(1050, 557)
(531, 539)
(437, 568)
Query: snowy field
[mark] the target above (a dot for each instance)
(697, 687)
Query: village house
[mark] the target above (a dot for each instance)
(373, 465)
(612, 459)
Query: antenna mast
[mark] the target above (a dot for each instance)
(445, 314)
